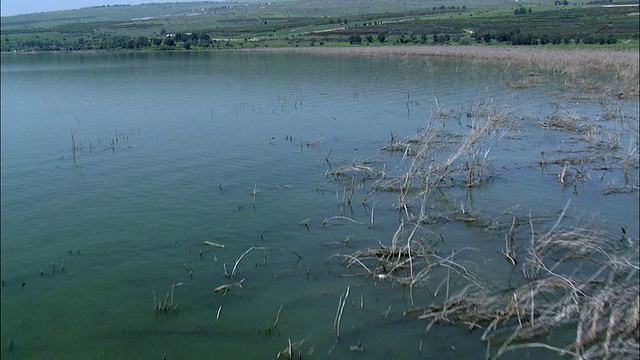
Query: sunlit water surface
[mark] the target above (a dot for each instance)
(232, 148)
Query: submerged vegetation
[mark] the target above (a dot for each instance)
(232, 25)
(570, 288)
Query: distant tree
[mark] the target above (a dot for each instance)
(503, 37)
(521, 39)
(168, 41)
(402, 39)
(544, 39)
(521, 10)
(355, 39)
(381, 38)
(369, 38)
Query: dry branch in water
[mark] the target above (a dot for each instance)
(226, 287)
(338, 320)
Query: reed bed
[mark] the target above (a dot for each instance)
(573, 64)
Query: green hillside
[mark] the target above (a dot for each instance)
(206, 25)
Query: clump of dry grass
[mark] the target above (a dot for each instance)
(622, 189)
(409, 262)
(355, 170)
(467, 163)
(432, 159)
(396, 144)
(567, 121)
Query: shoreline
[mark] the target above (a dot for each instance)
(462, 51)
(569, 61)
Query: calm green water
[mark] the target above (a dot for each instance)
(172, 147)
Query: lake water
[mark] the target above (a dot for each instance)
(175, 149)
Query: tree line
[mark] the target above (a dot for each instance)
(516, 37)
(201, 40)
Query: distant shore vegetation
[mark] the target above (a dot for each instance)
(314, 23)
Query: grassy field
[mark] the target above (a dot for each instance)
(215, 25)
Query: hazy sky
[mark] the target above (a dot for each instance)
(16, 7)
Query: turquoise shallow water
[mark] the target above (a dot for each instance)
(172, 146)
